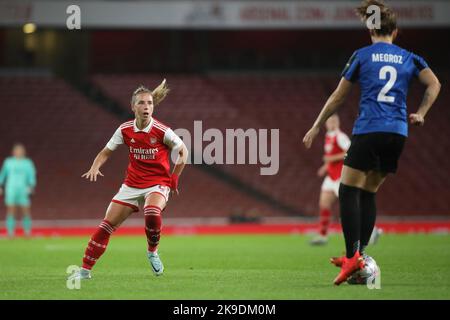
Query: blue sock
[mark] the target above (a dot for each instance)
(26, 224)
(10, 224)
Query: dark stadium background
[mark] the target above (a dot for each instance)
(64, 92)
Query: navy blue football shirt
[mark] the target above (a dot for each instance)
(384, 72)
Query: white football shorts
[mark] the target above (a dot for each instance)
(331, 185)
(135, 198)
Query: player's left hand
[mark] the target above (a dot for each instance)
(309, 137)
(416, 119)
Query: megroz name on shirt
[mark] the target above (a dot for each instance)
(143, 153)
(387, 57)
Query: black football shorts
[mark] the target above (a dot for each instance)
(377, 151)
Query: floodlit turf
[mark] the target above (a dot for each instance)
(223, 267)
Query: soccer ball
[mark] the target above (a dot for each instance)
(368, 274)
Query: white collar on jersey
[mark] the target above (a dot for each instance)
(146, 129)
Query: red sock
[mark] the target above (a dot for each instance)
(324, 221)
(97, 245)
(153, 223)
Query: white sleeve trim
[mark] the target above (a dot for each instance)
(343, 141)
(116, 140)
(172, 140)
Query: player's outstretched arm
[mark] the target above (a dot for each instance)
(99, 160)
(333, 103)
(429, 79)
(179, 166)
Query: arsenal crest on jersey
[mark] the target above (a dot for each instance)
(153, 140)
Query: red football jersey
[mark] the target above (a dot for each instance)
(335, 142)
(149, 152)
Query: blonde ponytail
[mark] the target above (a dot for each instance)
(160, 92)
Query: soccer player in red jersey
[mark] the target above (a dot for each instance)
(335, 148)
(148, 180)
(336, 145)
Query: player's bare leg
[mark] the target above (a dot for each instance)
(353, 177)
(116, 214)
(154, 204)
(10, 221)
(327, 198)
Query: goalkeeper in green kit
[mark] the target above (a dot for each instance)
(17, 183)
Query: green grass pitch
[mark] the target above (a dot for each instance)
(223, 267)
